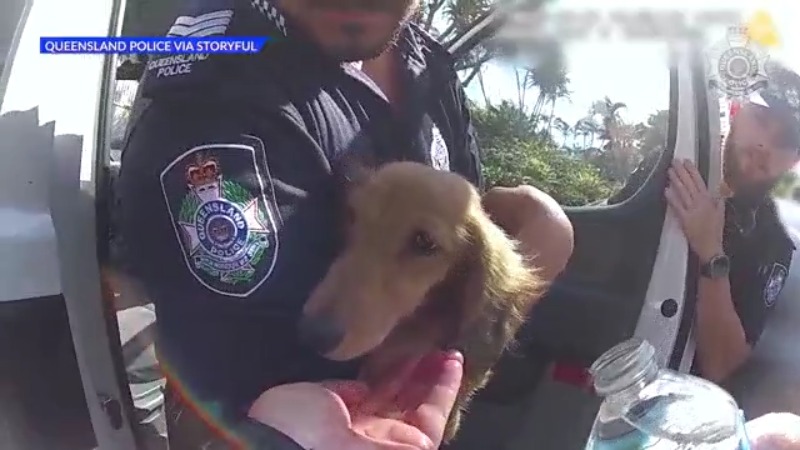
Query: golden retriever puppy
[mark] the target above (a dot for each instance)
(423, 268)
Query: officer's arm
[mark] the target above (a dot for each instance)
(728, 327)
(722, 344)
(200, 218)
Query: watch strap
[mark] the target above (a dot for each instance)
(250, 434)
(258, 436)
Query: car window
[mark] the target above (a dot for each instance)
(141, 18)
(573, 119)
(12, 11)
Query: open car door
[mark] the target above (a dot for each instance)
(631, 272)
(628, 274)
(63, 381)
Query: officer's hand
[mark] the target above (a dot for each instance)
(346, 415)
(776, 431)
(701, 213)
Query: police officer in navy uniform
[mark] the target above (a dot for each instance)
(743, 248)
(230, 185)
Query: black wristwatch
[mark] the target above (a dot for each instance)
(717, 267)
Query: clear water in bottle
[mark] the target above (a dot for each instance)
(646, 407)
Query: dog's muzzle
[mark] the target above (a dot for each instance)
(320, 332)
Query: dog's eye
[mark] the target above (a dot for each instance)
(423, 244)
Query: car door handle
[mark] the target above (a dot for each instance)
(113, 410)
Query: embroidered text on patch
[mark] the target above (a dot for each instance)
(224, 216)
(777, 277)
(440, 156)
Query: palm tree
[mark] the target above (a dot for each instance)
(446, 19)
(486, 102)
(651, 137)
(548, 75)
(591, 131)
(563, 128)
(608, 112)
(579, 131)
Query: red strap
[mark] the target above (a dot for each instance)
(573, 375)
(734, 108)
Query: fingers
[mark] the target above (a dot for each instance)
(442, 373)
(387, 434)
(681, 183)
(686, 186)
(697, 179)
(384, 396)
(675, 202)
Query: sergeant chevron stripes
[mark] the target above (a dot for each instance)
(203, 25)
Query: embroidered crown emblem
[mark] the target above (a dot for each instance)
(204, 178)
(202, 172)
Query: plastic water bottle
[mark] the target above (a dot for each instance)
(646, 407)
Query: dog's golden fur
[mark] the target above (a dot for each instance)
(424, 268)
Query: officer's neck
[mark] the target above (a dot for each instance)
(385, 72)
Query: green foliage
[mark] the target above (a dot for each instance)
(786, 185)
(513, 154)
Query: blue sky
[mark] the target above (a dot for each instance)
(635, 72)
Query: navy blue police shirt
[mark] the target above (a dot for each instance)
(759, 248)
(228, 189)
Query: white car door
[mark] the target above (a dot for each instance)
(628, 274)
(52, 136)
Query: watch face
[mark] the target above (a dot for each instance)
(719, 266)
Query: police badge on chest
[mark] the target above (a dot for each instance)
(775, 281)
(224, 216)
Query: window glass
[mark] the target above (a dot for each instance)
(141, 18)
(10, 15)
(574, 120)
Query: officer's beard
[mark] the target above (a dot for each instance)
(356, 49)
(745, 192)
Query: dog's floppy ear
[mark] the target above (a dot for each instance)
(357, 163)
(354, 172)
(492, 279)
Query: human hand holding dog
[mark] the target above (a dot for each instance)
(406, 413)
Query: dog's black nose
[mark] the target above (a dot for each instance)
(320, 332)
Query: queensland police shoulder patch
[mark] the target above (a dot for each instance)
(775, 280)
(222, 204)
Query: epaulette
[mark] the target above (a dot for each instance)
(202, 73)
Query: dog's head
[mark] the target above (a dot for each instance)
(418, 242)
